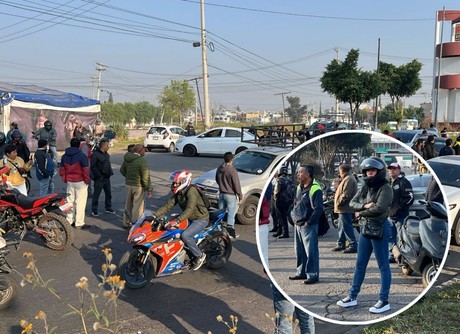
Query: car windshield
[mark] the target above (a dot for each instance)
(157, 129)
(253, 162)
(448, 174)
(404, 137)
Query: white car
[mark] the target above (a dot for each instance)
(163, 136)
(447, 168)
(254, 167)
(216, 141)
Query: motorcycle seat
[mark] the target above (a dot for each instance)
(28, 202)
(214, 214)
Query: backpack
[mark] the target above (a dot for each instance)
(49, 166)
(287, 192)
(205, 198)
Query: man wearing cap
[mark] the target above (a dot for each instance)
(99, 128)
(403, 197)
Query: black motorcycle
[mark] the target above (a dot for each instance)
(8, 286)
(422, 242)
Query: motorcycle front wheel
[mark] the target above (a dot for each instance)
(218, 249)
(133, 271)
(56, 231)
(7, 295)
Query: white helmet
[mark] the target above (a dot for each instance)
(181, 179)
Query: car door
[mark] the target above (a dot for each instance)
(210, 142)
(231, 140)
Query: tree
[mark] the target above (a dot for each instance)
(349, 84)
(295, 111)
(399, 82)
(176, 99)
(144, 113)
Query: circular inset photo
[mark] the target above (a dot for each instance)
(358, 228)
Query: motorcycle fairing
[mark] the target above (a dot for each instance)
(168, 252)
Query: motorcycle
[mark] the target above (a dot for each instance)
(332, 217)
(95, 140)
(8, 286)
(159, 251)
(42, 215)
(422, 242)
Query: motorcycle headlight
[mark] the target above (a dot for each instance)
(138, 238)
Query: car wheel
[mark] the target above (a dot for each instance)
(171, 148)
(240, 149)
(189, 151)
(248, 214)
(456, 231)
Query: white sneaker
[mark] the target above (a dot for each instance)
(380, 307)
(199, 261)
(347, 302)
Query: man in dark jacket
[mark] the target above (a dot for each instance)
(21, 146)
(101, 171)
(428, 151)
(74, 170)
(403, 198)
(447, 149)
(50, 134)
(45, 173)
(137, 179)
(283, 194)
(230, 195)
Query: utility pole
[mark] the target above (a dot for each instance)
(199, 98)
(207, 114)
(336, 100)
(93, 81)
(100, 67)
(377, 98)
(438, 78)
(283, 113)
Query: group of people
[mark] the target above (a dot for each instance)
(384, 199)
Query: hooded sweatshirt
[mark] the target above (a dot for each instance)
(74, 166)
(228, 180)
(136, 171)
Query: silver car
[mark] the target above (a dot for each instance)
(254, 167)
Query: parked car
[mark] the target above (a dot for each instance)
(409, 137)
(216, 141)
(254, 167)
(163, 136)
(447, 168)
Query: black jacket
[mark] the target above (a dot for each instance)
(403, 197)
(101, 168)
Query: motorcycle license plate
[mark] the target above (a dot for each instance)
(66, 207)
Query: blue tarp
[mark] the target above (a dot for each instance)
(36, 94)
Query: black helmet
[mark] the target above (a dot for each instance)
(283, 170)
(374, 163)
(16, 134)
(48, 124)
(2, 137)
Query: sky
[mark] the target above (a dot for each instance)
(257, 49)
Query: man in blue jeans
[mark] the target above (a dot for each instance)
(308, 208)
(346, 190)
(230, 195)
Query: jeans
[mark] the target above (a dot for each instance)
(346, 231)
(396, 224)
(380, 249)
(229, 202)
(55, 154)
(194, 227)
(307, 252)
(46, 186)
(284, 309)
(98, 186)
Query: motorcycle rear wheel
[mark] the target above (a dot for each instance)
(7, 296)
(135, 274)
(428, 274)
(59, 233)
(218, 249)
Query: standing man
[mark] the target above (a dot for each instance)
(230, 195)
(428, 151)
(346, 190)
(101, 171)
(284, 187)
(137, 179)
(80, 131)
(308, 208)
(447, 149)
(45, 168)
(48, 133)
(190, 129)
(74, 170)
(403, 197)
(99, 128)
